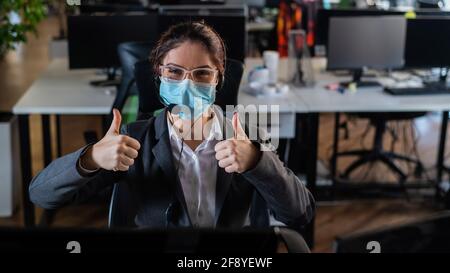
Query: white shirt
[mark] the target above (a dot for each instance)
(197, 171)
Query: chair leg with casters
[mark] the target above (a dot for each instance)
(377, 154)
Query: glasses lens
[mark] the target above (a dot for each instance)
(172, 73)
(204, 75)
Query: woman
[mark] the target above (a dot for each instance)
(176, 178)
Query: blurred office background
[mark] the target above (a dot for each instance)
(84, 35)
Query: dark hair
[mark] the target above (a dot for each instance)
(190, 31)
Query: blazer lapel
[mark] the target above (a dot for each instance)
(162, 152)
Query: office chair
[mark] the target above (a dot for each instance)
(377, 153)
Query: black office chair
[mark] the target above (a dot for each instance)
(377, 153)
(129, 54)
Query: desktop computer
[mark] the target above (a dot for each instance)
(356, 43)
(144, 240)
(323, 18)
(426, 47)
(93, 39)
(230, 27)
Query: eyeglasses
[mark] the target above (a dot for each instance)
(201, 75)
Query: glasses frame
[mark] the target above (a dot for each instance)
(189, 71)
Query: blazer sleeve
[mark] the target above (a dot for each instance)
(286, 196)
(62, 182)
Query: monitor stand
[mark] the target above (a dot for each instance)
(357, 74)
(110, 80)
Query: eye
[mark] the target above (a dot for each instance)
(204, 75)
(175, 71)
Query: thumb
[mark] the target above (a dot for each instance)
(239, 132)
(115, 124)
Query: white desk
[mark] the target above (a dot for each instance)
(60, 91)
(373, 99)
(317, 99)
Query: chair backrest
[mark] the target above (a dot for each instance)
(129, 53)
(149, 95)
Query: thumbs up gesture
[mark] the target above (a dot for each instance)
(237, 154)
(114, 151)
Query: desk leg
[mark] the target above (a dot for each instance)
(58, 135)
(48, 215)
(311, 167)
(25, 161)
(311, 163)
(46, 137)
(333, 162)
(441, 151)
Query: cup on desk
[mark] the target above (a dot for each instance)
(271, 59)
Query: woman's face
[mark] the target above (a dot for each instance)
(189, 55)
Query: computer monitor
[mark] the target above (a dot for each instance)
(93, 39)
(427, 42)
(111, 6)
(355, 43)
(231, 28)
(324, 15)
(176, 240)
(429, 235)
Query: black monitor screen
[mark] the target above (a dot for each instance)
(93, 39)
(230, 28)
(427, 43)
(366, 41)
(324, 15)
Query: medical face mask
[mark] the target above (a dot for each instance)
(190, 98)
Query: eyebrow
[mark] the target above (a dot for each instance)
(203, 66)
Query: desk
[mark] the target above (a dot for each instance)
(58, 91)
(320, 100)
(289, 104)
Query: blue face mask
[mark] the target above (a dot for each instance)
(191, 98)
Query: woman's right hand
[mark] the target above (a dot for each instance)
(114, 151)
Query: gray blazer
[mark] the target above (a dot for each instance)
(155, 188)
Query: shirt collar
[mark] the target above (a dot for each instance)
(215, 132)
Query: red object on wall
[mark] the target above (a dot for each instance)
(289, 17)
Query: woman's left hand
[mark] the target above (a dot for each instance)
(237, 154)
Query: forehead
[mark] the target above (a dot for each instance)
(189, 55)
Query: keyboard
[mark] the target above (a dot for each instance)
(409, 91)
